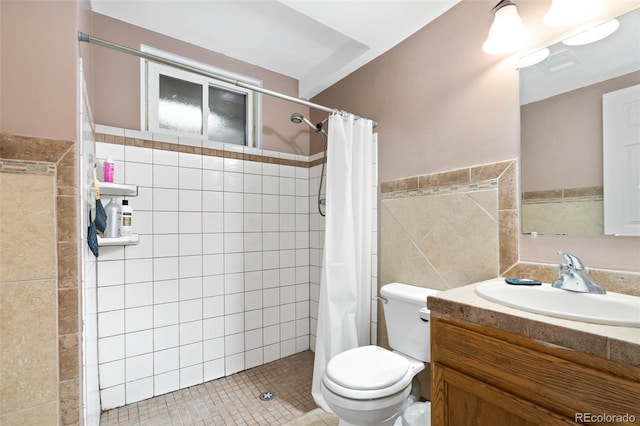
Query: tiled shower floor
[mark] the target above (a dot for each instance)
(232, 400)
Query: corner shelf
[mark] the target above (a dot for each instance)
(109, 189)
(128, 240)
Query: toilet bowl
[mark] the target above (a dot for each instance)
(415, 414)
(370, 385)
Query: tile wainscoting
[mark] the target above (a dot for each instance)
(450, 229)
(418, 206)
(46, 257)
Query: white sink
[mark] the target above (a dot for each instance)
(608, 309)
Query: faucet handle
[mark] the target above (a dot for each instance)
(572, 261)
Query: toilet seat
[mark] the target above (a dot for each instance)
(369, 372)
(367, 368)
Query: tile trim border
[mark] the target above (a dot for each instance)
(255, 155)
(27, 167)
(450, 178)
(454, 189)
(591, 193)
(587, 191)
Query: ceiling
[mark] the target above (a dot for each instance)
(317, 42)
(572, 67)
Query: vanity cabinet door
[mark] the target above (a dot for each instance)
(458, 399)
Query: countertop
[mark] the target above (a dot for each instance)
(619, 344)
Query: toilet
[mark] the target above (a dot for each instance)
(370, 385)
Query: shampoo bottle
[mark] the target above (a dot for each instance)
(109, 169)
(127, 215)
(114, 213)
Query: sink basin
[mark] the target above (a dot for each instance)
(609, 309)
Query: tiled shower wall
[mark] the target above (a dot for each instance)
(316, 245)
(220, 279)
(90, 389)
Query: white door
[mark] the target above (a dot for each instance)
(621, 161)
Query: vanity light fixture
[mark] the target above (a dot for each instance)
(529, 57)
(507, 32)
(563, 13)
(592, 33)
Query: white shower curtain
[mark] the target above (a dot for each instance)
(345, 283)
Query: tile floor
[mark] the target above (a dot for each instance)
(234, 400)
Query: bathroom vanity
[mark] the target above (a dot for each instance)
(494, 365)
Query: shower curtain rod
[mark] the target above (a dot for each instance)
(87, 38)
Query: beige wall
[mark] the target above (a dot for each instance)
(85, 24)
(560, 151)
(116, 85)
(38, 60)
(443, 104)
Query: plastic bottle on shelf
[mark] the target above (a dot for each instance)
(114, 214)
(108, 169)
(127, 216)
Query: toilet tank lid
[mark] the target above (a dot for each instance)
(407, 293)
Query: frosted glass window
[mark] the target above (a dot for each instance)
(180, 105)
(227, 116)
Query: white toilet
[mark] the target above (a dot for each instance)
(370, 385)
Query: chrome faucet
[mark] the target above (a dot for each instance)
(573, 277)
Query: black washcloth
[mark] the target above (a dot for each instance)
(101, 217)
(92, 239)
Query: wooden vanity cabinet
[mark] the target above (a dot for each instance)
(485, 376)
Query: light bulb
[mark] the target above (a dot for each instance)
(507, 32)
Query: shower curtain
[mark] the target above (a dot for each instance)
(345, 283)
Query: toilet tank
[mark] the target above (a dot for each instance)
(406, 317)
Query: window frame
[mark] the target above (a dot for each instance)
(149, 84)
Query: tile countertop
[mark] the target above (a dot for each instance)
(620, 344)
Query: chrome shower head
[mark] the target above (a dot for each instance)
(298, 118)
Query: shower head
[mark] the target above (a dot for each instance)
(298, 118)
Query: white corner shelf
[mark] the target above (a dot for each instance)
(109, 189)
(129, 240)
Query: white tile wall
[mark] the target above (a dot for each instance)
(220, 279)
(374, 245)
(226, 275)
(90, 412)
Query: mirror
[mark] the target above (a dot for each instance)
(561, 116)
